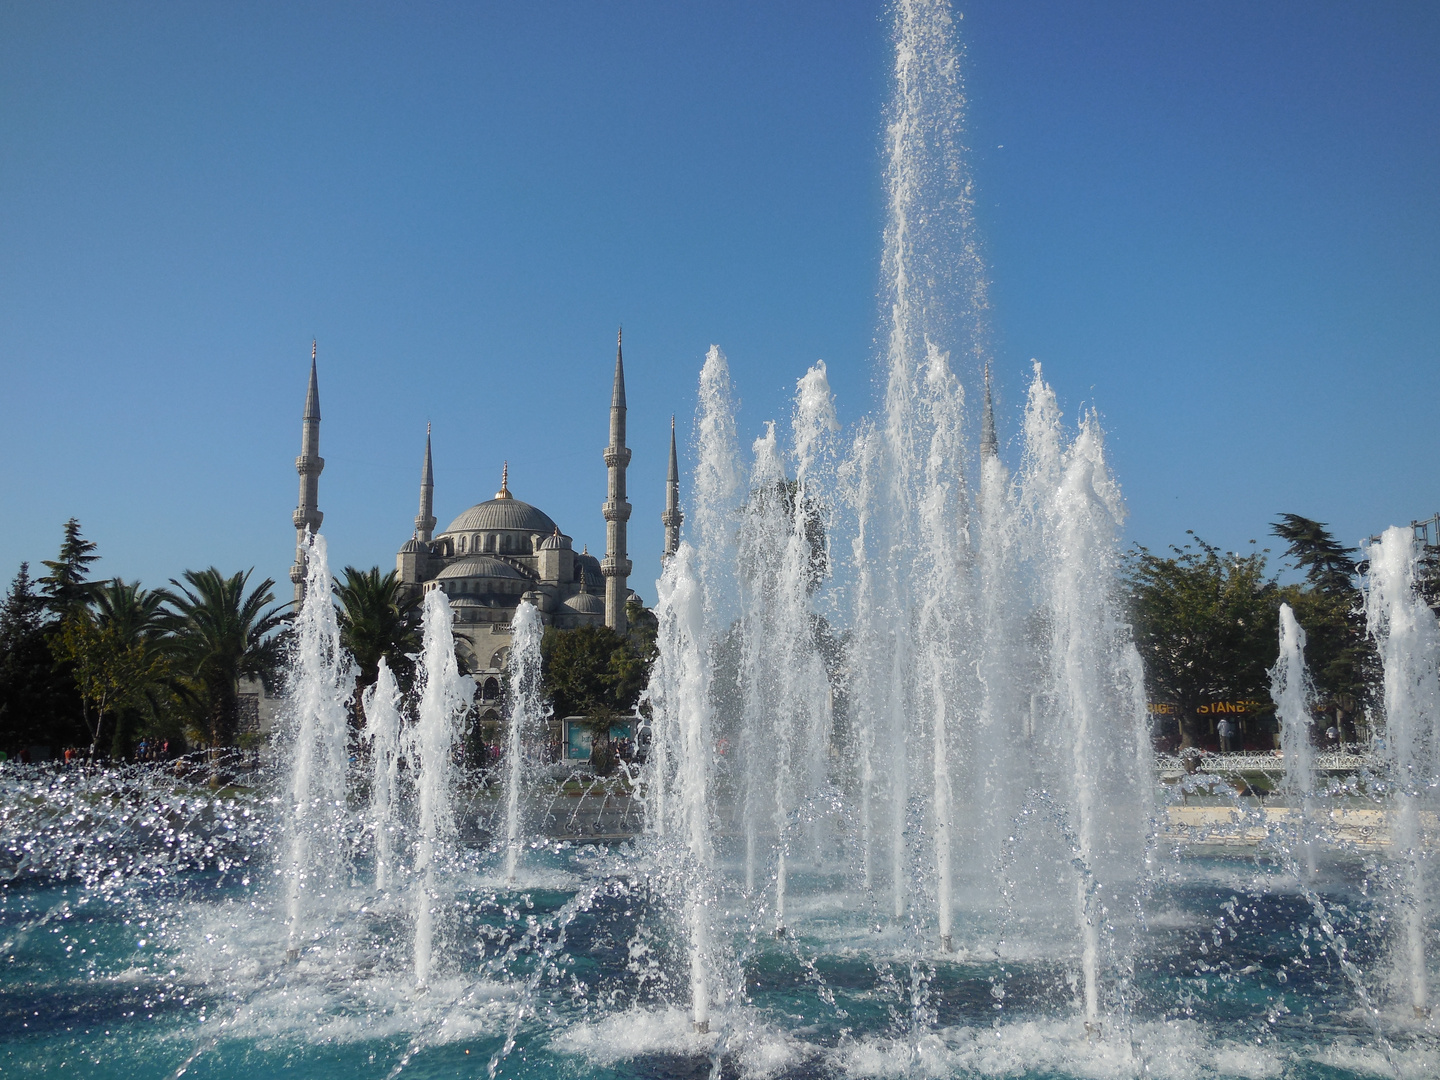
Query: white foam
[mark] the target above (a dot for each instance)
(1179, 1050)
(760, 1051)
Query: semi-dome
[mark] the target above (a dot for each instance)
(496, 515)
(586, 604)
(479, 566)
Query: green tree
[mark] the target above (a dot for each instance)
(378, 619)
(222, 634)
(1205, 624)
(594, 672)
(1329, 606)
(112, 668)
(38, 702)
(138, 618)
(65, 586)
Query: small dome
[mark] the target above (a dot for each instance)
(412, 545)
(586, 604)
(555, 542)
(503, 514)
(478, 566)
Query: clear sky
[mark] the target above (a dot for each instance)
(1218, 223)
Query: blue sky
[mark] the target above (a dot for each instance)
(1218, 223)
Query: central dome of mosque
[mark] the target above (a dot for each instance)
(501, 514)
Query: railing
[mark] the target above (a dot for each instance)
(1260, 762)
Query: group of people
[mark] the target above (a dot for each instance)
(1229, 733)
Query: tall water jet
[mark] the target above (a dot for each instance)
(1294, 696)
(1088, 663)
(911, 478)
(680, 774)
(322, 679)
(444, 696)
(1408, 640)
(785, 690)
(945, 609)
(526, 710)
(381, 702)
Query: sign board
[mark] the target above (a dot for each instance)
(577, 739)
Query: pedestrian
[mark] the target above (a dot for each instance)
(1226, 730)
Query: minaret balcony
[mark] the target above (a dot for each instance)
(309, 463)
(617, 457)
(312, 518)
(616, 510)
(673, 518)
(613, 567)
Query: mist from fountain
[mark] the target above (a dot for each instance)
(444, 696)
(1407, 638)
(525, 712)
(322, 681)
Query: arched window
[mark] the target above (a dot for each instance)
(460, 545)
(491, 690)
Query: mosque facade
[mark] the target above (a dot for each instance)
(503, 551)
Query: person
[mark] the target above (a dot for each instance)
(1226, 731)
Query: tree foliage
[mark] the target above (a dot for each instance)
(117, 667)
(1205, 624)
(1330, 608)
(378, 619)
(38, 701)
(65, 586)
(222, 634)
(595, 673)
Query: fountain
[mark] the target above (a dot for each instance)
(901, 815)
(444, 696)
(525, 712)
(382, 732)
(1408, 640)
(1293, 695)
(322, 681)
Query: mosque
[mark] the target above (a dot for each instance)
(503, 551)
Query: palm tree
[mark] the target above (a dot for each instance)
(137, 619)
(221, 635)
(378, 618)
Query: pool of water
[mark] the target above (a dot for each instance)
(137, 966)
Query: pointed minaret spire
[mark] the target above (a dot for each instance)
(309, 465)
(504, 492)
(616, 566)
(672, 518)
(989, 444)
(425, 520)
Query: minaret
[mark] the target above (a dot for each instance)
(989, 445)
(672, 517)
(309, 465)
(425, 520)
(616, 567)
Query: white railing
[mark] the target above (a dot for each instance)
(1253, 761)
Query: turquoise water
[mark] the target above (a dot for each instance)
(141, 944)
